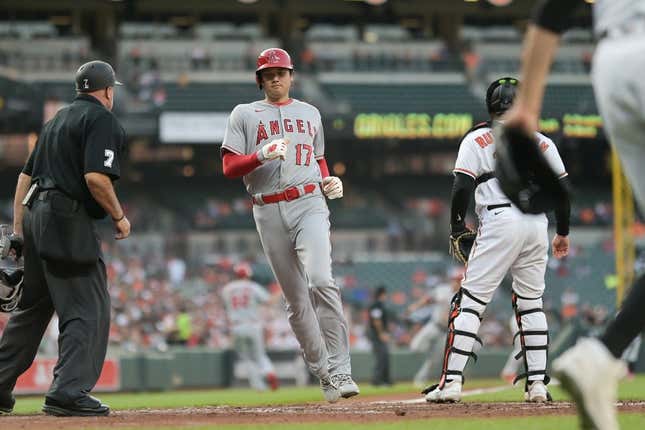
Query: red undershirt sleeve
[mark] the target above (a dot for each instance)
(235, 165)
(324, 170)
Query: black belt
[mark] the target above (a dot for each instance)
(501, 205)
(67, 202)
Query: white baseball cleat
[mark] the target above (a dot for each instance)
(451, 392)
(346, 385)
(590, 374)
(329, 389)
(537, 392)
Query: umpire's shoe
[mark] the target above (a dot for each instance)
(590, 374)
(87, 406)
(7, 400)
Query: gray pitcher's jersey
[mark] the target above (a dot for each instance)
(616, 14)
(253, 125)
(242, 299)
(441, 295)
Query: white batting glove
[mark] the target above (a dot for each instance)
(333, 187)
(274, 149)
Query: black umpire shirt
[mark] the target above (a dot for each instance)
(83, 137)
(377, 311)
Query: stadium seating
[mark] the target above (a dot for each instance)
(448, 98)
(210, 97)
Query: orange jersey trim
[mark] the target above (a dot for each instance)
(466, 171)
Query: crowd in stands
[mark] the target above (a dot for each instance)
(161, 300)
(414, 223)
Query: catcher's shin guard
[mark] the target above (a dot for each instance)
(534, 339)
(463, 324)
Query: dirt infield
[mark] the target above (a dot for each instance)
(358, 410)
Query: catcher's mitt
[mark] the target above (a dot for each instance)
(461, 244)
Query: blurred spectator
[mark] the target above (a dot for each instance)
(176, 270)
(569, 302)
(199, 59)
(307, 60)
(472, 62)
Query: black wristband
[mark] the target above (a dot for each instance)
(117, 220)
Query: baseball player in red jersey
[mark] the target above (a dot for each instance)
(277, 145)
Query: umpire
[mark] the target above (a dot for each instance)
(380, 337)
(65, 186)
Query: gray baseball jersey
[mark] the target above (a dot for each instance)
(242, 299)
(619, 90)
(295, 233)
(614, 14)
(253, 125)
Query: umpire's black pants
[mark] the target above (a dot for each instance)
(78, 294)
(381, 352)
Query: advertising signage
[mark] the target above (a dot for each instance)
(411, 125)
(450, 126)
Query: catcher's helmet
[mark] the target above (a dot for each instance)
(272, 57)
(11, 276)
(95, 75)
(500, 95)
(243, 270)
(523, 172)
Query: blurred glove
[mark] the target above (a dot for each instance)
(17, 243)
(333, 187)
(11, 245)
(274, 149)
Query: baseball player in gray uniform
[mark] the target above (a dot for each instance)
(619, 59)
(277, 145)
(424, 340)
(242, 299)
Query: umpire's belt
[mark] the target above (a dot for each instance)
(62, 201)
(286, 195)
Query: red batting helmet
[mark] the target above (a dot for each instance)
(243, 270)
(272, 57)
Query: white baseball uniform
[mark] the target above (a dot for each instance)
(295, 232)
(243, 299)
(507, 240)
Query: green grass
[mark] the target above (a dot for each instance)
(229, 397)
(232, 397)
(627, 422)
(629, 390)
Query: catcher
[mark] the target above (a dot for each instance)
(507, 240)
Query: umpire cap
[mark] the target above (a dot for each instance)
(523, 172)
(95, 75)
